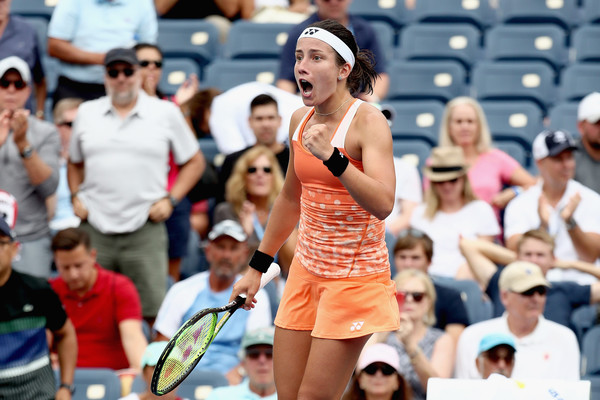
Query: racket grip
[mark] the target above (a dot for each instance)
(267, 277)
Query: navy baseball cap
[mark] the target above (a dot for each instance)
(120, 54)
(5, 229)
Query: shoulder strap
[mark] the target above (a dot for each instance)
(339, 136)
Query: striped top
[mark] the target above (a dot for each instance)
(337, 238)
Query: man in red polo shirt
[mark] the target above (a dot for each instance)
(103, 305)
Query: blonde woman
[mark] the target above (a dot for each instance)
(425, 352)
(464, 124)
(452, 211)
(250, 192)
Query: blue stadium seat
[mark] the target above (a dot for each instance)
(426, 80)
(578, 80)
(33, 8)
(564, 116)
(582, 319)
(591, 11)
(195, 39)
(595, 385)
(94, 383)
(515, 149)
(225, 74)
(439, 41)
(386, 35)
(564, 13)
(40, 24)
(51, 70)
(209, 148)
(411, 148)
(527, 42)
(518, 120)
(419, 119)
(514, 80)
(393, 13)
(590, 352)
(255, 40)
(585, 41)
(478, 13)
(175, 71)
(479, 307)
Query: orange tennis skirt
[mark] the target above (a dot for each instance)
(338, 308)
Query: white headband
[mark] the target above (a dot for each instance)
(332, 40)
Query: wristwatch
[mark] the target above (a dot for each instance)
(174, 201)
(27, 152)
(69, 387)
(571, 223)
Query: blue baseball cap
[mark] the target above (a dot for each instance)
(152, 353)
(492, 340)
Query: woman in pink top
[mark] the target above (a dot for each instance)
(339, 188)
(464, 124)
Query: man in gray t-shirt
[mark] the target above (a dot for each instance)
(588, 157)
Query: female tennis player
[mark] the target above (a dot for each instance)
(339, 188)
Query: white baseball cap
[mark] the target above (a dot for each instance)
(379, 352)
(551, 143)
(16, 63)
(589, 108)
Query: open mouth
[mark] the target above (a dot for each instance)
(306, 86)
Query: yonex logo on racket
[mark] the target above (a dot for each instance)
(356, 326)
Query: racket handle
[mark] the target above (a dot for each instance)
(267, 277)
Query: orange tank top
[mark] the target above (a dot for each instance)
(337, 238)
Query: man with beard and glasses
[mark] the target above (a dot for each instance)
(227, 255)
(587, 159)
(117, 174)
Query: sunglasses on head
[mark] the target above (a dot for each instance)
(541, 290)
(385, 369)
(254, 354)
(113, 72)
(5, 84)
(416, 296)
(145, 63)
(253, 170)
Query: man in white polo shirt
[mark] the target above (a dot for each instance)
(588, 156)
(566, 209)
(545, 349)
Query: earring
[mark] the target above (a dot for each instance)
(339, 78)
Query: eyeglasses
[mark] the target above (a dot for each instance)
(416, 233)
(254, 354)
(113, 72)
(416, 296)
(66, 123)
(494, 356)
(453, 181)
(385, 369)
(5, 84)
(541, 290)
(253, 170)
(145, 63)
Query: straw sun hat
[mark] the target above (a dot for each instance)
(447, 163)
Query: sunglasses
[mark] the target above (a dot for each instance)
(494, 357)
(253, 170)
(385, 369)
(66, 123)
(5, 84)
(254, 354)
(416, 296)
(145, 63)
(113, 73)
(541, 290)
(453, 181)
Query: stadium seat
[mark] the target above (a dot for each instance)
(33, 8)
(392, 12)
(582, 319)
(419, 119)
(386, 35)
(94, 384)
(256, 40)
(413, 149)
(429, 41)
(527, 42)
(209, 148)
(426, 80)
(51, 70)
(564, 116)
(514, 80)
(195, 39)
(578, 80)
(591, 11)
(521, 120)
(515, 149)
(479, 307)
(174, 72)
(225, 74)
(585, 41)
(40, 24)
(476, 12)
(590, 352)
(595, 385)
(564, 13)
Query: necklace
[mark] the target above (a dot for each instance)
(334, 111)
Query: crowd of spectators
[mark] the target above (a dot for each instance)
(118, 216)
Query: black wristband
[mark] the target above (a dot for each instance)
(337, 163)
(261, 261)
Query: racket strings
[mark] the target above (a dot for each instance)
(189, 346)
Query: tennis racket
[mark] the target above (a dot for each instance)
(190, 342)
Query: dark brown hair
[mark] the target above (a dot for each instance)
(69, 238)
(407, 240)
(355, 392)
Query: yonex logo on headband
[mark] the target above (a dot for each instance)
(332, 40)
